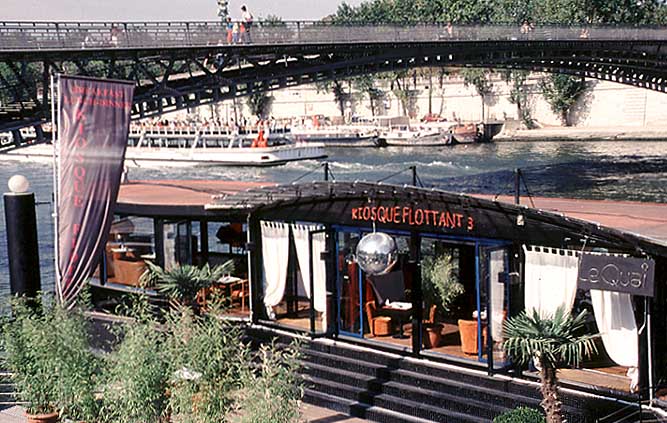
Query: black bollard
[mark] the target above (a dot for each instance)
(21, 223)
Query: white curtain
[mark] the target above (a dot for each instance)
(320, 275)
(275, 255)
(551, 279)
(301, 234)
(497, 265)
(616, 321)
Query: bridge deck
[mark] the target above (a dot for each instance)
(59, 36)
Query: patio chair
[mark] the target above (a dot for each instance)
(378, 325)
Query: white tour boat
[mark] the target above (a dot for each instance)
(195, 152)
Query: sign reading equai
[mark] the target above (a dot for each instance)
(413, 216)
(613, 273)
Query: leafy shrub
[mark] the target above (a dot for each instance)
(47, 350)
(274, 390)
(136, 383)
(520, 415)
(207, 365)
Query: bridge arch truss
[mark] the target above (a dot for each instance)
(180, 67)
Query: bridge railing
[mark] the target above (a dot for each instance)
(17, 36)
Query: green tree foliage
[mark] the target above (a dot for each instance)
(441, 285)
(208, 364)
(260, 104)
(516, 79)
(461, 12)
(415, 12)
(275, 388)
(552, 341)
(198, 368)
(562, 92)
(478, 78)
(182, 283)
(366, 86)
(400, 83)
(337, 88)
(136, 385)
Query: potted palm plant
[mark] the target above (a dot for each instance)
(554, 340)
(440, 287)
(183, 283)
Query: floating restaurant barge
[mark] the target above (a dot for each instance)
(384, 347)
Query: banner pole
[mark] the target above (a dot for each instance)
(55, 126)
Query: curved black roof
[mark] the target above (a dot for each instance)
(331, 202)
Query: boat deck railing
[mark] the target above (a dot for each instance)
(222, 131)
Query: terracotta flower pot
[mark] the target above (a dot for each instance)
(43, 418)
(433, 335)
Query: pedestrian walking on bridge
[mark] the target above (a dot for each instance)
(247, 19)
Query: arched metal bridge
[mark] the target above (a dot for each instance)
(185, 64)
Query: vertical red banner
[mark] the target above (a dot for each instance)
(94, 120)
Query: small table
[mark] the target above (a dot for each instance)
(401, 311)
(228, 283)
(122, 252)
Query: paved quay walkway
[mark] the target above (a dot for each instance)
(310, 413)
(607, 133)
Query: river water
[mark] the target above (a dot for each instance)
(627, 170)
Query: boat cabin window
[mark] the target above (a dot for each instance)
(294, 276)
(130, 244)
(375, 307)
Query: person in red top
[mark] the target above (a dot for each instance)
(260, 141)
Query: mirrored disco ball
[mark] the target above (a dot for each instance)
(376, 253)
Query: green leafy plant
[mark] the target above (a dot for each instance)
(552, 340)
(183, 283)
(520, 415)
(207, 365)
(136, 382)
(518, 95)
(478, 78)
(274, 390)
(440, 285)
(48, 353)
(562, 92)
(337, 88)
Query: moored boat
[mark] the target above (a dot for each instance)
(405, 136)
(338, 136)
(468, 133)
